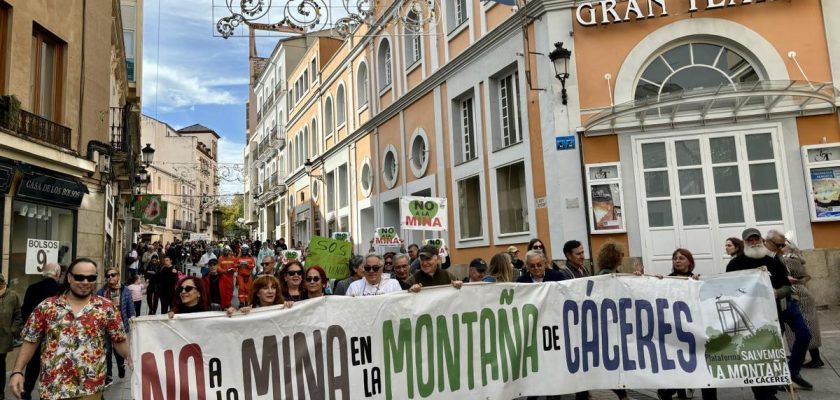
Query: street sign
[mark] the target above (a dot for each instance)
(39, 252)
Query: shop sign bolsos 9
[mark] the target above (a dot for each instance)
(610, 12)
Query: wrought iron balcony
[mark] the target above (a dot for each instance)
(279, 88)
(118, 122)
(189, 226)
(33, 126)
(177, 224)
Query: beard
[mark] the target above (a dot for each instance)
(757, 251)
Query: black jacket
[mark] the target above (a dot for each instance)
(36, 293)
(550, 276)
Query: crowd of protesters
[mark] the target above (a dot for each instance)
(235, 277)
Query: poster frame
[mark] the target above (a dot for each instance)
(831, 160)
(590, 183)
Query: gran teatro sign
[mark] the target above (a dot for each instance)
(609, 12)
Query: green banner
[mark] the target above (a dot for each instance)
(331, 255)
(150, 209)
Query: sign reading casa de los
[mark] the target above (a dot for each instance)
(611, 12)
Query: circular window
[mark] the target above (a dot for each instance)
(314, 190)
(366, 177)
(390, 168)
(419, 153)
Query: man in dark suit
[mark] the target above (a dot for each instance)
(538, 270)
(35, 294)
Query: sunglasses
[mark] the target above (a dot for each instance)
(186, 289)
(295, 272)
(79, 278)
(538, 247)
(266, 264)
(369, 268)
(111, 275)
(780, 245)
(313, 279)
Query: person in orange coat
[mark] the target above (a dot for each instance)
(245, 275)
(227, 269)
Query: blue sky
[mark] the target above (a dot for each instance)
(192, 76)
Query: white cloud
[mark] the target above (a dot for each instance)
(180, 88)
(230, 152)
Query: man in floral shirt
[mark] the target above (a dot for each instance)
(71, 329)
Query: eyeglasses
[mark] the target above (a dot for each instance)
(313, 279)
(79, 278)
(186, 289)
(372, 268)
(113, 274)
(295, 272)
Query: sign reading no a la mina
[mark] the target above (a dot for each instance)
(423, 213)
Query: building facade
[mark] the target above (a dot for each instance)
(184, 175)
(679, 124)
(55, 142)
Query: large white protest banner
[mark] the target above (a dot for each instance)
(497, 341)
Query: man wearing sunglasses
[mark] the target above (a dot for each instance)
(74, 327)
(120, 297)
(373, 283)
(268, 267)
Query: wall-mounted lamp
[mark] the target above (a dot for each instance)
(148, 154)
(307, 166)
(560, 57)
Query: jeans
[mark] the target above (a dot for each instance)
(792, 316)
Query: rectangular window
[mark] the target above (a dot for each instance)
(510, 121)
(329, 194)
(128, 38)
(457, 14)
(469, 208)
(47, 74)
(305, 80)
(468, 150)
(313, 66)
(512, 197)
(343, 188)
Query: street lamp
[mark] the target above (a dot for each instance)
(307, 166)
(560, 57)
(144, 175)
(148, 154)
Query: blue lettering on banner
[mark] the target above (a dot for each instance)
(655, 322)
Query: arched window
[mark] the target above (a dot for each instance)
(299, 149)
(292, 160)
(411, 34)
(694, 66)
(315, 140)
(328, 117)
(305, 142)
(384, 60)
(340, 107)
(362, 85)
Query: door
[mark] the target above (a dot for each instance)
(696, 191)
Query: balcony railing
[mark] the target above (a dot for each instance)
(118, 120)
(177, 224)
(34, 126)
(189, 226)
(279, 88)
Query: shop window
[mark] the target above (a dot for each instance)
(469, 208)
(694, 66)
(512, 198)
(47, 74)
(34, 221)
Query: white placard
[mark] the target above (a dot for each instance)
(39, 252)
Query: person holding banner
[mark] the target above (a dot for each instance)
(538, 271)
(293, 276)
(316, 282)
(373, 284)
(190, 297)
(430, 273)
(401, 270)
(266, 292)
(501, 268)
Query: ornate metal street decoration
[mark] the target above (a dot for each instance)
(299, 16)
(418, 15)
(231, 172)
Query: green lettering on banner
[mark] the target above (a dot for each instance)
(331, 255)
(399, 352)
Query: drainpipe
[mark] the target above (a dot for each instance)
(82, 76)
(579, 133)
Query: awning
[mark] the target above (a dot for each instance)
(718, 105)
(51, 187)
